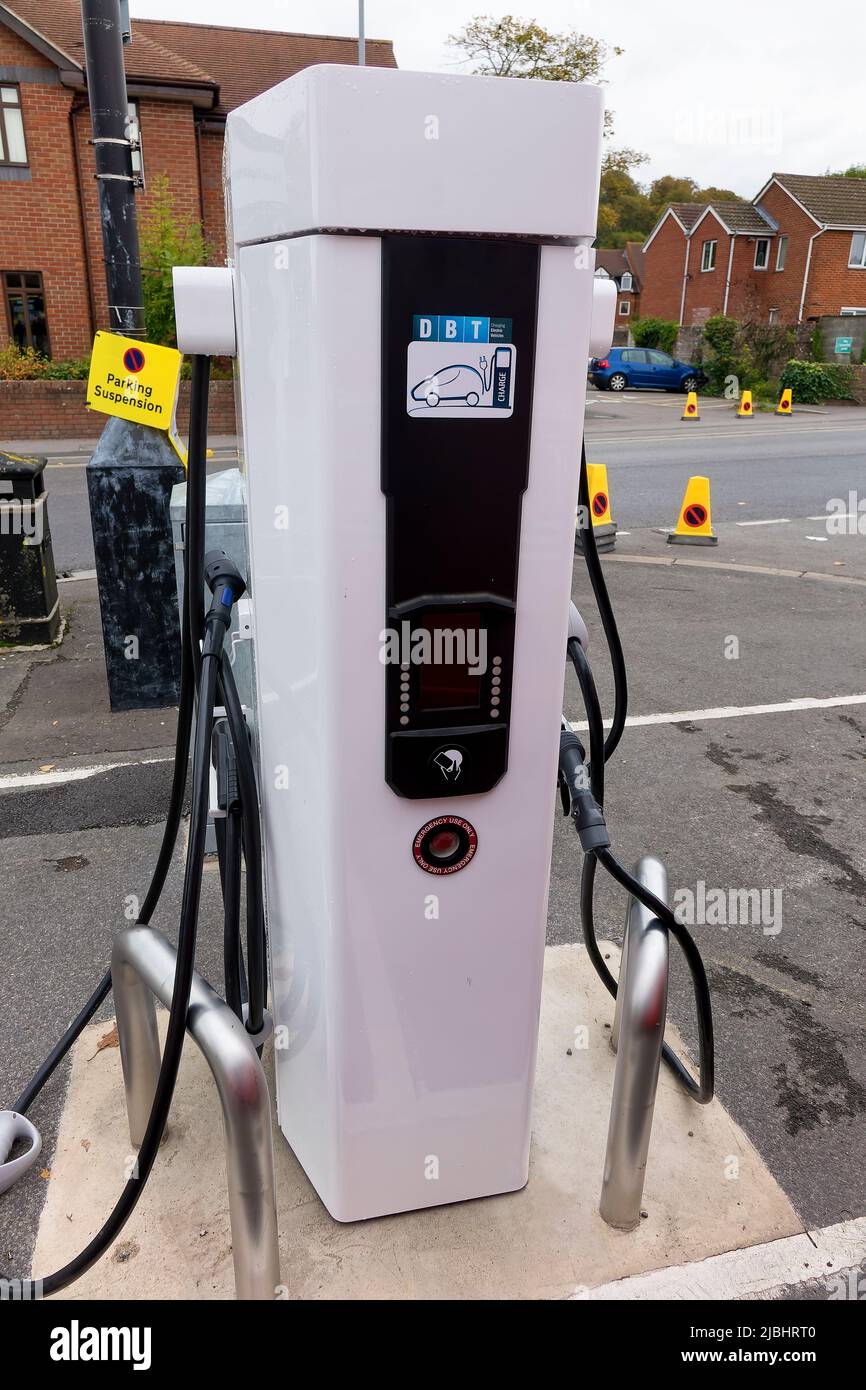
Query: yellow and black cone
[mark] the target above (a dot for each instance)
(745, 404)
(690, 410)
(786, 401)
(693, 525)
(603, 524)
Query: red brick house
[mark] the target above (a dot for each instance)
(182, 80)
(796, 252)
(625, 268)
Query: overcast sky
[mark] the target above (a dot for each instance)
(725, 93)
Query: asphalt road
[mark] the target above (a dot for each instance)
(768, 801)
(756, 466)
(777, 466)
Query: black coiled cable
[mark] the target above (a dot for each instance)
(599, 750)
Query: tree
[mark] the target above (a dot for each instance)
(167, 239)
(716, 195)
(670, 189)
(854, 171)
(512, 47)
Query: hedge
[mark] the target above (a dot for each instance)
(812, 382)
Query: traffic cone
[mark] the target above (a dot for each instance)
(745, 404)
(691, 411)
(693, 526)
(603, 524)
(786, 402)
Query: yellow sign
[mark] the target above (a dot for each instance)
(137, 381)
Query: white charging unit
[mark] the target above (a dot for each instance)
(413, 295)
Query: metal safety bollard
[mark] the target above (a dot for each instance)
(637, 1037)
(142, 968)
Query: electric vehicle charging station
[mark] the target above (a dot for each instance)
(407, 841)
(412, 321)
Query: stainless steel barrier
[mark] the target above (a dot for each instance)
(142, 970)
(637, 1037)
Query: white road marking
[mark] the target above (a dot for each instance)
(75, 575)
(751, 1270)
(690, 716)
(20, 781)
(733, 567)
(772, 521)
(817, 538)
(658, 438)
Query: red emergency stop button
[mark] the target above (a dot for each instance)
(444, 845)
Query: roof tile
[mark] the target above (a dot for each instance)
(831, 198)
(241, 63)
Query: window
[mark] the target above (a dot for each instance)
(24, 298)
(624, 308)
(762, 253)
(708, 255)
(857, 258)
(781, 252)
(626, 281)
(659, 359)
(773, 317)
(13, 149)
(133, 131)
(851, 313)
(634, 355)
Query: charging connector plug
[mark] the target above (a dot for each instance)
(574, 785)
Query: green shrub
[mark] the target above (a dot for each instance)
(21, 364)
(812, 382)
(25, 364)
(816, 346)
(724, 354)
(655, 333)
(167, 239)
(762, 390)
(76, 369)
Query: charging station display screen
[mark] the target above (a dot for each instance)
(454, 661)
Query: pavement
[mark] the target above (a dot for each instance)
(544, 1241)
(742, 768)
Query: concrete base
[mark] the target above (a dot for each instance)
(692, 540)
(707, 1190)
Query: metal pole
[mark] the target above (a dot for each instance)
(637, 1037)
(106, 93)
(362, 38)
(143, 965)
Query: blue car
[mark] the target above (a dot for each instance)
(643, 367)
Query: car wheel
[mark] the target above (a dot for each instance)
(431, 398)
(690, 384)
(473, 398)
(618, 382)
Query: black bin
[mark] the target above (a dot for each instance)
(29, 604)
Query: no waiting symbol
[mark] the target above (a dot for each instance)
(695, 515)
(599, 504)
(133, 359)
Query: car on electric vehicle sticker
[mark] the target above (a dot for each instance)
(648, 368)
(459, 382)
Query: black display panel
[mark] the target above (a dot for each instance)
(458, 358)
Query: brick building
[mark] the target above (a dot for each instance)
(625, 268)
(797, 251)
(182, 80)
